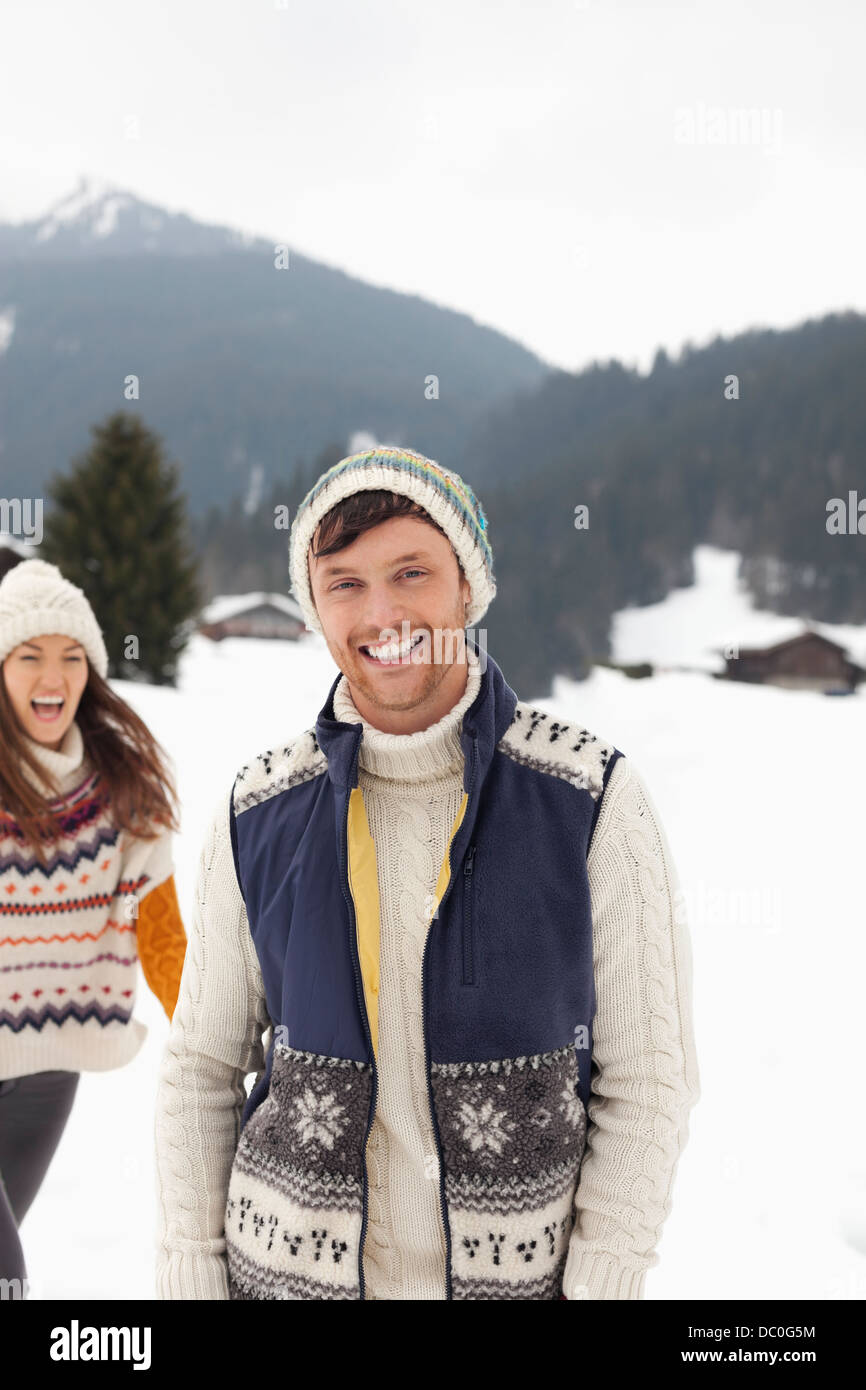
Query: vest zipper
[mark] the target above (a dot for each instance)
(356, 965)
(442, 1204)
(468, 951)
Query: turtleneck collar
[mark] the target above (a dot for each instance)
(61, 764)
(422, 756)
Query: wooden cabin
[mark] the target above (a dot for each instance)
(808, 661)
(252, 615)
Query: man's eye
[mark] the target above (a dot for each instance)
(339, 586)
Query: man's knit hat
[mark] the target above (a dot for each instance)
(442, 493)
(36, 600)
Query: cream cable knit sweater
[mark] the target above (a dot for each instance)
(642, 1041)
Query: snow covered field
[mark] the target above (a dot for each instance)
(761, 792)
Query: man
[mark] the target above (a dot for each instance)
(454, 918)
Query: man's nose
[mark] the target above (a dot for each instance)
(383, 615)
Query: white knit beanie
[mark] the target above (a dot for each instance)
(36, 600)
(442, 493)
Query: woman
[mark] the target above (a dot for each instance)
(87, 811)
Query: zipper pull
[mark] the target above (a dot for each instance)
(467, 867)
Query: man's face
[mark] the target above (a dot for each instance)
(403, 571)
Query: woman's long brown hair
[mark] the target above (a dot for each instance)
(132, 767)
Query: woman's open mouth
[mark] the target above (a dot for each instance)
(48, 708)
(391, 653)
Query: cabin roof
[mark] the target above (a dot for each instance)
(233, 605)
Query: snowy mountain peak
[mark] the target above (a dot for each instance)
(98, 218)
(93, 206)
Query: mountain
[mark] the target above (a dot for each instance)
(244, 369)
(97, 219)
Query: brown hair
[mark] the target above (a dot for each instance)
(9, 558)
(360, 512)
(133, 775)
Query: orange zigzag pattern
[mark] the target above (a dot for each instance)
(71, 936)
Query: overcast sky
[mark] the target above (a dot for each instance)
(593, 177)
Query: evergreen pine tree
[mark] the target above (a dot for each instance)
(118, 529)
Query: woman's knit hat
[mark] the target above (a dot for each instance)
(442, 493)
(36, 600)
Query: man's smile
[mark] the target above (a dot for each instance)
(391, 653)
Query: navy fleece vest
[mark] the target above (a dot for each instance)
(508, 994)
